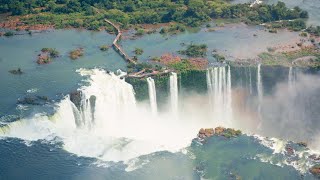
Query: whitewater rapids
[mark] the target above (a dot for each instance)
(113, 128)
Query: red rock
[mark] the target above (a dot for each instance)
(290, 150)
(315, 170)
(219, 130)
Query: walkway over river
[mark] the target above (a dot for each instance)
(117, 46)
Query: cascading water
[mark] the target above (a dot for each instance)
(260, 93)
(219, 90)
(174, 93)
(152, 95)
(250, 81)
(105, 122)
(103, 109)
(229, 95)
(291, 78)
(259, 84)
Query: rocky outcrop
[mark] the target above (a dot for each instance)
(75, 97)
(315, 170)
(169, 59)
(33, 100)
(302, 144)
(289, 150)
(218, 131)
(46, 55)
(77, 53)
(314, 157)
(43, 58)
(16, 71)
(205, 133)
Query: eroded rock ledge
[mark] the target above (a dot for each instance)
(218, 131)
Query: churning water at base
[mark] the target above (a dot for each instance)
(174, 93)
(219, 90)
(152, 95)
(107, 123)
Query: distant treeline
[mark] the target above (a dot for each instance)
(90, 13)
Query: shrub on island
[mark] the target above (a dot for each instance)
(194, 50)
(75, 54)
(138, 51)
(104, 47)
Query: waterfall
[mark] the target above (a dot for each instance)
(107, 99)
(291, 78)
(152, 95)
(260, 93)
(102, 120)
(259, 84)
(250, 81)
(219, 90)
(229, 95)
(174, 92)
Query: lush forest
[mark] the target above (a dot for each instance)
(90, 13)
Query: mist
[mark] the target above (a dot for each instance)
(293, 111)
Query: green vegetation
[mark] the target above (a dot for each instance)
(43, 59)
(52, 52)
(140, 87)
(75, 54)
(46, 55)
(8, 34)
(273, 31)
(294, 25)
(194, 50)
(140, 66)
(194, 80)
(89, 14)
(229, 133)
(304, 34)
(138, 51)
(303, 57)
(182, 66)
(104, 47)
(219, 57)
(173, 29)
(314, 30)
(139, 32)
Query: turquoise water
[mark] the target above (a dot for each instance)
(233, 41)
(219, 158)
(57, 77)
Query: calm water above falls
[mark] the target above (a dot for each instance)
(56, 77)
(234, 41)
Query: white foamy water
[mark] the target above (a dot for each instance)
(33, 90)
(109, 124)
(152, 95)
(219, 89)
(299, 159)
(291, 78)
(174, 93)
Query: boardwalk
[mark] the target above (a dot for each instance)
(141, 74)
(118, 47)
